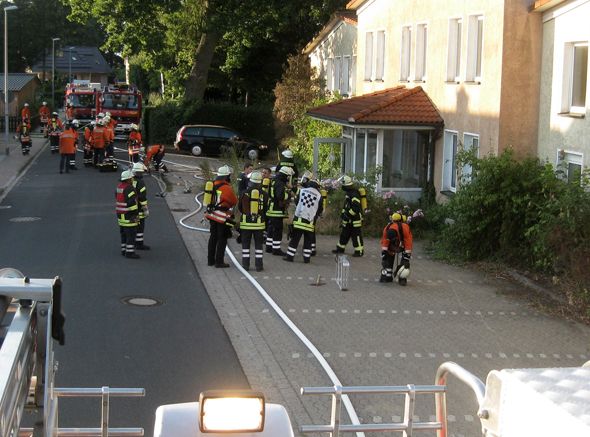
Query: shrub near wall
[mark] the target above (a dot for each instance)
(163, 121)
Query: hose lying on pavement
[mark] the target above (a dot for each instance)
(345, 399)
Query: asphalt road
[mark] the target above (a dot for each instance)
(64, 225)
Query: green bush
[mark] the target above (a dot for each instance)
(161, 122)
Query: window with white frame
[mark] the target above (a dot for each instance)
(368, 55)
(470, 143)
(454, 50)
(345, 76)
(421, 51)
(406, 54)
(329, 73)
(572, 162)
(575, 78)
(380, 56)
(475, 48)
(405, 158)
(353, 76)
(449, 161)
(337, 73)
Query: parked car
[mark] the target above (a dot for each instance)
(214, 140)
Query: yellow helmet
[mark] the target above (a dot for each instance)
(346, 181)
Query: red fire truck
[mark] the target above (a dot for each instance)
(123, 101)
(84, 95)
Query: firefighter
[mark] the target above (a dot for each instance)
(155, 153)
(127, 214)
(88, 144)
(243, 178)
(141, 190)
(109, 147)
(219, 216)
(54, 128)
(352, 219)
(24, 136)
(99, 138)
(75, 127)
(253, 206)
(281, 193)
(44, 114)
(308, 209)
(68, 140)
(71, 112)
(396, 243)
(287, 160)
(305, 179)
(134, 143)
(26, 112)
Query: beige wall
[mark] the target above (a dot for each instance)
(561, 25)
(503, 108)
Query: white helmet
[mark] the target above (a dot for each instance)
(403, 272)
(346, 181)
(75, 122)
(255, 177)
(101, 115)
(44, 103)
(225, 170)
(134, 127)
(108, 114)
(93, 123)
(126, 175)
(287, 154)
(26, 105)
(287, 170)
(139, 167)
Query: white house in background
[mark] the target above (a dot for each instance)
(333, 53)
(564, 129)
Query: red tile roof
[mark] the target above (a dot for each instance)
(393, 106)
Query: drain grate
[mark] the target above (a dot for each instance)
(142, 301)
(25, 219)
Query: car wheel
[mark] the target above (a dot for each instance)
(252, 154)
(196, 150)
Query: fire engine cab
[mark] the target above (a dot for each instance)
(123, 101)
(83, 95)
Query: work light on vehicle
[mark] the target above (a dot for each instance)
(231, 411)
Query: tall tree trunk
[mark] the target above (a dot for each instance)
(197, 80)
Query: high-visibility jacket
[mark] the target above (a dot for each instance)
(352, 211)
(402, 241)
(111, 128)
(309, 207)
(68, 141)
(26, 113)
(134, 142)
(99, 135)
(24, 132)
(248, 221)
(88, 138)
(44, 113)
(141, 190)
(226, 200)
(126, 208)
(279, 197)
(153, 151)
(71, 113)
(54, 126)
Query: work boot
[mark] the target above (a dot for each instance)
(314, 253)
(221, 265)
(358, 253)
(306, 260)
(142, 247)
(278, 252)
(288, 258)
(259, 269)
(131, 255)
(338, 250)
(384, 278)
(403, 281)
(268, 249)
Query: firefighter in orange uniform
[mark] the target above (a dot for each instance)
(156, 153)
(99, 137)
(397, 240)
(26, 112)
(71, 112)
(219, 216)
(109, 125)
(134, 143)
(44, 113)
(127, 214)
(68, 140)
(88, 143)
(54, 127)
(24, 136)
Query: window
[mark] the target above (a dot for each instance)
(474, 48)
(345, 76)
(572, 163)
(337, 74)
(353, 77)
(380, 58)
(421, 51)
(368, 55)
(454, 50)
(406, 55)
(470, 143)
(365, 155)
(329, 79)
(405, 161)
(575, 78)
(449, 161)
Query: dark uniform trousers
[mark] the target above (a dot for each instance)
(128, 234)
(308, 240)
(275, 233)
(220, 232)
(247, 235)
(354, 233)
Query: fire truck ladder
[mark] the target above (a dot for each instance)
(30, 310)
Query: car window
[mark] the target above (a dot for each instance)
(227, 133)
(195, 131)
(211, 132)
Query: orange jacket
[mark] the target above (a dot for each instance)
(134, 142)
(88, 138)
(404, 244)
(226, 200)
(44, 113)
(71, 113)
(153, 151)
(99, 135)
(26, 113)
(24, 131)
(54, 126)
(68, 141)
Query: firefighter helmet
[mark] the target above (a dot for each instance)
(134, 127)
(307, 176)
(287, 170)
(138, 167)
(93, 123)
(108, 114)
(26, 105)
(287, 154)
(126, 175)
(54, 114)
(256, 177)
(44, 103)
(100, 115)
(346, 181)
(314, 183)
(225, 170)
(75, 123)
(403, 272)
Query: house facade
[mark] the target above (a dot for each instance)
(477, 61)
(564, 129)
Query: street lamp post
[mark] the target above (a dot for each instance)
(6, 9)
(70, 72)
(53, 74)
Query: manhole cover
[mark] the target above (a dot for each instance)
(25, 219)
(142, 301)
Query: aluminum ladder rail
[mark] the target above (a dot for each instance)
(27, 364)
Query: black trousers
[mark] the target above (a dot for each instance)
(276, 232)
(54, 142)
(308, 239)
(220, 232)
(128, 238)
(158, 160)
(98, 157)
(354, 234)
(140, 228)
(247, 235)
